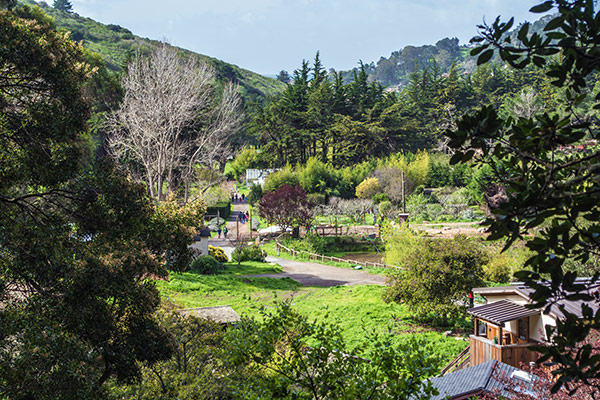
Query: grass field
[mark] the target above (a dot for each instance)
(355, 309)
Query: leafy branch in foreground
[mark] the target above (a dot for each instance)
(549, 165)
(304, 359)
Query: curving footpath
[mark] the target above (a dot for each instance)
(314, 274)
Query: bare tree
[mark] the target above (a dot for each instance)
(527, 104)
(171, 120)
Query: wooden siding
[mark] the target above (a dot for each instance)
(483, 350)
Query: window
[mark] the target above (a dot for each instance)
(482, 331)
(522, 328)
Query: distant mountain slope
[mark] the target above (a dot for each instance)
(395, 70)
(115, 44)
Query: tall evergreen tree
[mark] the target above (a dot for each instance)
(63, 5)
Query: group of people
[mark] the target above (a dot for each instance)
(235, 198)
(243, 217)
(224, 231)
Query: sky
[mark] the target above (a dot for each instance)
(267, 36)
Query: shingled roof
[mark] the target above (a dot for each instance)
(480, 378)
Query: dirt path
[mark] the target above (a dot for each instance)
(309, 273)
(313, 274)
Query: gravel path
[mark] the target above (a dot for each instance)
(313, 274)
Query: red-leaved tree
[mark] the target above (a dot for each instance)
(287, 207)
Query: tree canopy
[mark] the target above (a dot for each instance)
(75, 235)
(547, 162)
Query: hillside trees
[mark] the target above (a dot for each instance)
(318, 118)
(75, 246)
(171, 120)
(550, 174)
(63, 5)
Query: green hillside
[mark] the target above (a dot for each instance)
(396, 69)
(115, 44)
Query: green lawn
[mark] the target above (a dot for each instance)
(355, 309)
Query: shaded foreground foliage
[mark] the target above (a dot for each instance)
(283, 355)
(77, 239)
(548, 164)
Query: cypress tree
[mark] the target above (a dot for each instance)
(63, 5)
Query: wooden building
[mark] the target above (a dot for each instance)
(505, 328)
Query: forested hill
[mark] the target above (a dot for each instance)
(115, 44)
(396, 69)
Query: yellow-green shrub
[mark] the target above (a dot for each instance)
(217, 253)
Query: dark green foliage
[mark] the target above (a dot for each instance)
(8, 4)
(63, 5)
(223, 209)
(438, 274)
(283, 76)
(317, 118)
(255, 194)
(547, 168)
(195, 371)
(248, 253)
(298, 359)
(206, 265)
(73, 231)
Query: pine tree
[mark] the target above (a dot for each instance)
(63, 5)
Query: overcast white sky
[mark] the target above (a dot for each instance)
(267, 36)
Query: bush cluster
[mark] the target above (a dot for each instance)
(217, 253)
(206, 265)
(249, 253)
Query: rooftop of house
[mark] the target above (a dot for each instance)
(220, 314)
(570, 306)
(480, 378)
(204, 233)
(501, 311)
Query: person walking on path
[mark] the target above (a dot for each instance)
(219, 232)
(225, 232)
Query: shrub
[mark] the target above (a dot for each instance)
(277, 179)
(368, 188)
(255, 194)
(317, 198)
(380, 197)
(497, 269)
(206, 265)
(217, 253)
(249, 253)
(385, 207)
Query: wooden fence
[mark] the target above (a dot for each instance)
(462, 360)
(321, 257)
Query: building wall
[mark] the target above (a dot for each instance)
(201, 245)
(536, 322)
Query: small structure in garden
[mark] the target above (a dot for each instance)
(257, 176)
(403, 217)
(224, 315)
(201, 241)
(505, 328)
